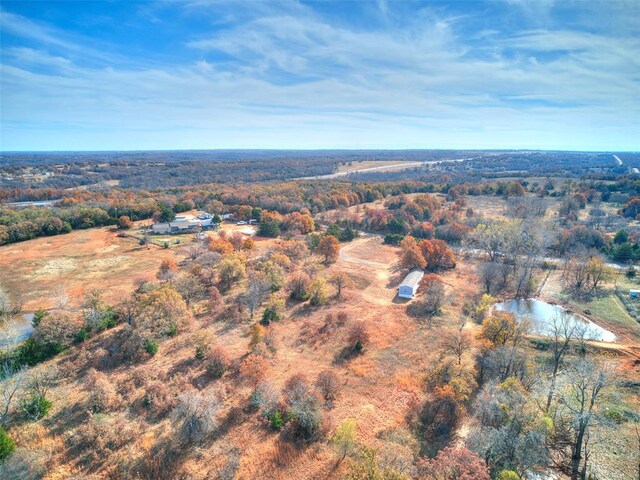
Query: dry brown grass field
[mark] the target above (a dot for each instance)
(38, 270)
(379, 389)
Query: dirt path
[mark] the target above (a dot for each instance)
(348, 258)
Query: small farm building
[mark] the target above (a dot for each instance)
(409, 286)
(180, 224)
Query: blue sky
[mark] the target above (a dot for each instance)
(196, 74)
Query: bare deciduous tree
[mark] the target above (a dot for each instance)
(358, 336)
(328, 385)
(195, 250)
(494, 276)
(584, 385)
(61, 299)
(8, 308)
(9, 336)
(265, 397)
(257, 291)
(197, 415)
(191, 288)
(585, 272)
(13, 380)
(40, 380)
(562, 331)
(456, 344)
(299, 285)
(341, 281)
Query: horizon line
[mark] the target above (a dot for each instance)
(37, 152)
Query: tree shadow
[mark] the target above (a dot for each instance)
(396, 278)
(305, 310)
(345, 355)
(398, 300)
(182, 366)
(585, 297)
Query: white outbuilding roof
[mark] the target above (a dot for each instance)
(412, 279)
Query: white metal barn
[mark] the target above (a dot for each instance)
(409, 286)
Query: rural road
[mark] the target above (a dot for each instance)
(633, 169)
(360, 170)
(399, 166)
(555, 260)
(365, 236)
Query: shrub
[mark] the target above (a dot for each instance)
(318, 291)
(158, 398)
(274, 310)
(276, 420)
(83, 335)
(128, 345)
(201, 352)
(254, 368)
(38, 315)
(218, 362)
(103, 396)
(265, 398)
(299, 285)
(358, 336)
(151, 346)
(393, 238)
(630, 273)
(257, 333)
(344, 438)
(328, 385)
(615, 415)
(269, 315)
(124, 223)
(454, 463)
(35, 406)
(7, 445)
(197, 414)
(508, 475)
(101, 436)
(57, 331)
(304, 411)
(31, 352)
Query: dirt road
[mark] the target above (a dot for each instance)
(349, 258)
(395, 166)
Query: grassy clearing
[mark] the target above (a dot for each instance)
(172, 241)
(607, 310)
(40, 269)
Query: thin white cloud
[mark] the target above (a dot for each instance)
(23, 27)
(296, 79)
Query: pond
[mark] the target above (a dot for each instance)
(541, 314)
(18, 329)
